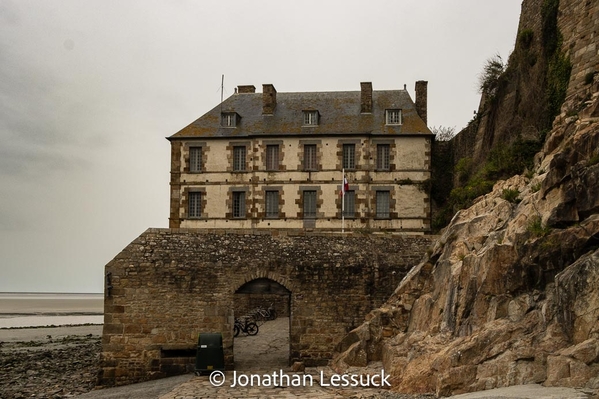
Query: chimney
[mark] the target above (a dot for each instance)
(269, 99)
(366, 97)
(246, 89)
(421, 101)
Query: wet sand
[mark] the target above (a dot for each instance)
(32, 309)
(50, 304)
(41, 333)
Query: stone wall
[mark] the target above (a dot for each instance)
(520, 109)
(577, 21)
(169, 285)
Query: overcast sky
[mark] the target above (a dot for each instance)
(90, 89)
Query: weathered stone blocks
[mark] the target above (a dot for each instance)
(170, 285)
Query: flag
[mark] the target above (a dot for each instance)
(345, 187)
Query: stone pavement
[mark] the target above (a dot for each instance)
(268, 353)
(533, 391)
(264, 354)
(268, 350)
(201, 387)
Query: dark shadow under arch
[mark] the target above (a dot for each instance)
(263, 286)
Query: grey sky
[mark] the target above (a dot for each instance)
(90, 89)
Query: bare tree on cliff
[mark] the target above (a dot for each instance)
(443, 133)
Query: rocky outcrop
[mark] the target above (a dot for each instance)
(509, 293)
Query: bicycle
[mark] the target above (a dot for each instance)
(248, 327)
(260, 315)
(272, 313)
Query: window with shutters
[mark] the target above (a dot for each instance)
(310, 204)
(310, 162)
(349, 204)
(195, 159)
(382, 156)
(272, 204)
(195, 205)
(272, 157)
(349, 156)
(239, 158)
(238, 204)
(382, 204)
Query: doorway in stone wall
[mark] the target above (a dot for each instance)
(268, 304)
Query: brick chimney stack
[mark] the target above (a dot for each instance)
(269, 99)
(366, 97)
(246, 89)
(421, 99)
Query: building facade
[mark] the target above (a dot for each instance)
(276, 160)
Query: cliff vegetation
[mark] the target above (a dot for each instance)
(509, 293)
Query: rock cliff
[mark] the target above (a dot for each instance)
(509, 293)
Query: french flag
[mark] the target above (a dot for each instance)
(345, 187)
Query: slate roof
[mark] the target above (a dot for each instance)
(339, 114)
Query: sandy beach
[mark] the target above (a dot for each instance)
(49, 362)
(48, 304)
(34, 309)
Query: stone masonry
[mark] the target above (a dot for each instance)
(169, 285)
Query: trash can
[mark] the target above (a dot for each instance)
(210, 355)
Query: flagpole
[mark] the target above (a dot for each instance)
(343, 201)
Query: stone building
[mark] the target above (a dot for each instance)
(274, 161)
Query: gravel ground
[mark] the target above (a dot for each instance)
(52, 367)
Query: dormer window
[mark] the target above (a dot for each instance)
(393, 116)
(310, 118)
(229, 119)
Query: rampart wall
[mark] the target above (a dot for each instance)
(169, 285)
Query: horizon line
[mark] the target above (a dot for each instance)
(46, 292)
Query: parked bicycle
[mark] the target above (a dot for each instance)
(260, 314)
(245, 326)
(272, 313)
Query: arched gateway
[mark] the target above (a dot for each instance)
(169, 285)
(264, 300)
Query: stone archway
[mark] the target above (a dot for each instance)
(270, 348)
(168, 286)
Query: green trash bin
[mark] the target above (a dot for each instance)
(210, 355)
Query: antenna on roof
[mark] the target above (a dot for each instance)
(222, 89)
